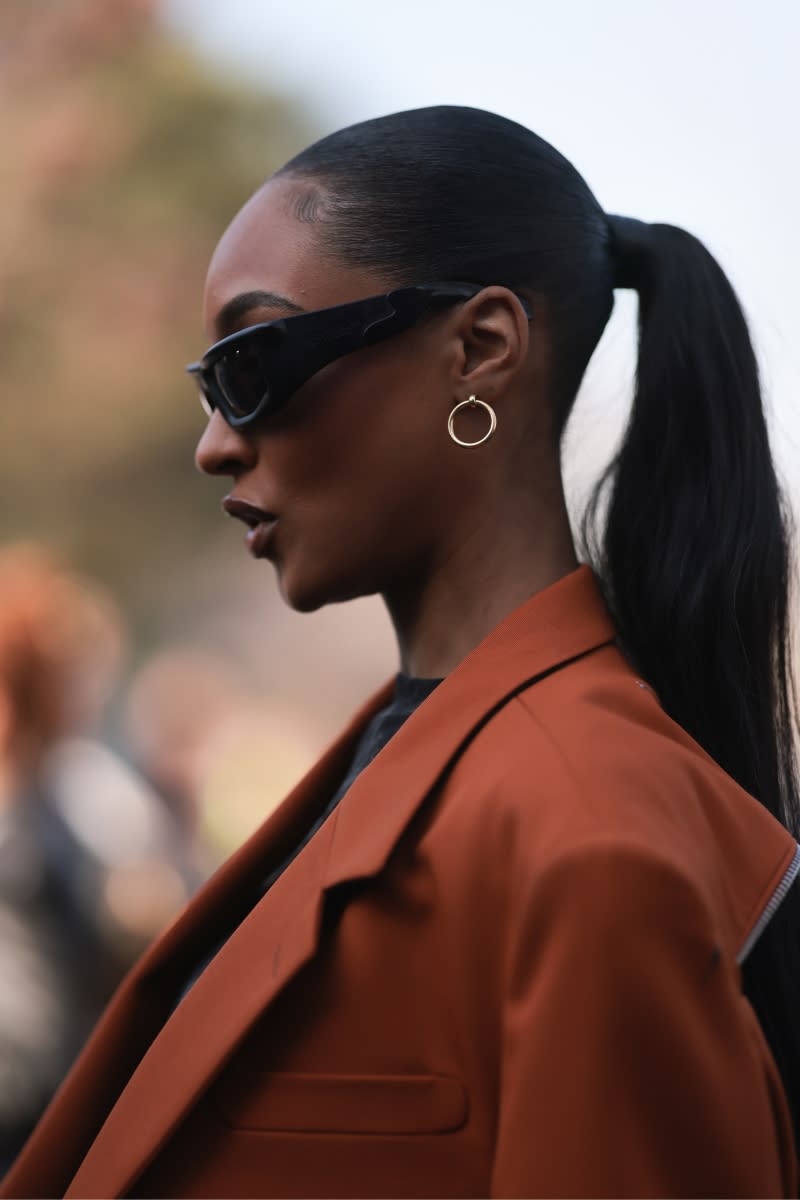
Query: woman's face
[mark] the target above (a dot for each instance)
(355, 468)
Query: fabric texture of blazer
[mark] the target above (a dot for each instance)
(506, 965)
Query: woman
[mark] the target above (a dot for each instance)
(524, 929)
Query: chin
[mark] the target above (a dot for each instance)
(308, 594)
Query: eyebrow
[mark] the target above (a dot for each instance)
(236, 308)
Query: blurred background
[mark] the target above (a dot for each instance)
(156, 698)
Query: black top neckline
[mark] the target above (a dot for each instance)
(411, 690)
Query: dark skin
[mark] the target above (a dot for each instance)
(371, 493)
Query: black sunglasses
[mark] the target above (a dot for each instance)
(254, 372)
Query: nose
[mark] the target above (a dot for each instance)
(223, 450)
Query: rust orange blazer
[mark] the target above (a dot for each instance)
(506, 965)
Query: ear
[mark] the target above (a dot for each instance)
(493, 335)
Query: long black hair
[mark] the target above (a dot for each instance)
(686, 530)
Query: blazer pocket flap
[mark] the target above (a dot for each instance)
(283, 1100)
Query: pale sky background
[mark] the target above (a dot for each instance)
(676, 111)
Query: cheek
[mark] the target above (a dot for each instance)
(359, 512)
(365, 436)
(357, 470)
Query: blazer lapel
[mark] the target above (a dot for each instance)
(268, 947)
(554, 628)
(228, 893)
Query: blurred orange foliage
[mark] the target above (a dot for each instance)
(123, 158)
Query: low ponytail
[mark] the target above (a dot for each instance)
(695, 560)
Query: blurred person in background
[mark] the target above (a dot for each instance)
(84, 882)
(220, 756)
(528, 928)
(174, 703)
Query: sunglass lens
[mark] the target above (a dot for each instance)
(242, 376)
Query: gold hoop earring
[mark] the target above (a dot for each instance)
(472, 402)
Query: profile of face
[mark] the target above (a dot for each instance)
(365, 490)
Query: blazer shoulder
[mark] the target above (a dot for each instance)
(592, 736)
(588, 758)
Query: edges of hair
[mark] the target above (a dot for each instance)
(307, 200)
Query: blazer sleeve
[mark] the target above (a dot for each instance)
(632, 1065)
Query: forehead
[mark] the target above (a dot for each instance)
(268, 248)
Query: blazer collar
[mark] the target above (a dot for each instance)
(553, 628)
(281, 933)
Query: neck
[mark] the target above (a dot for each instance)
(476, 582)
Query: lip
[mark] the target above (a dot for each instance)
(261, 524)
(249, 513)
(259, 539)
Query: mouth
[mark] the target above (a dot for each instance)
(260, 524)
